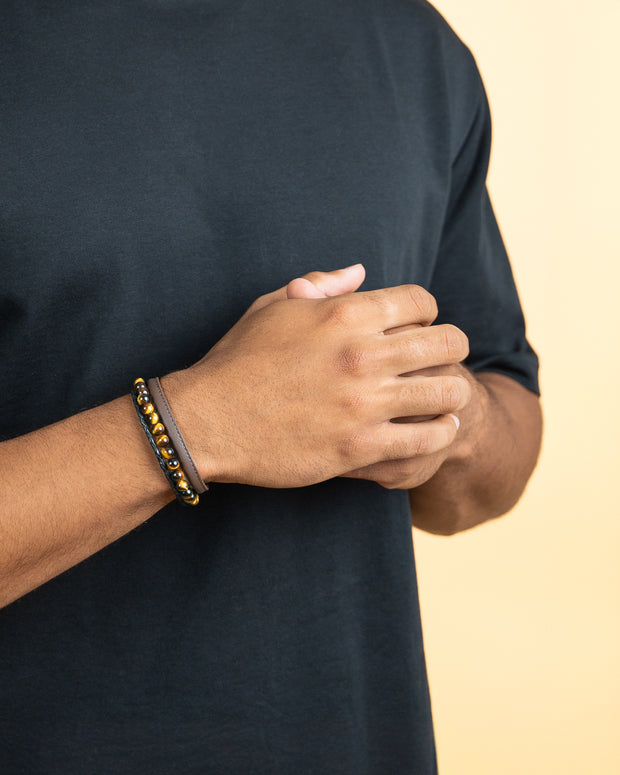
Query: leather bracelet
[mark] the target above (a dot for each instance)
(163, 409)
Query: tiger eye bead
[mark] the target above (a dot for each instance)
(162, 442)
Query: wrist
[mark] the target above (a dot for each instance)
(197, 426)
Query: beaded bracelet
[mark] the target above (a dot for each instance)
(162, 446)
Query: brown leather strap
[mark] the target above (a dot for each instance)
(163, 410)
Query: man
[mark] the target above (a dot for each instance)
(165, 166)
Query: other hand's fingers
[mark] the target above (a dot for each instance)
(396, 441)
(401, 474)
(423, 396)
(410, 440)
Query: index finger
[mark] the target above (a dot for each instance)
(400, 305)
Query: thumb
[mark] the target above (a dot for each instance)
(302, 288)
(316, 285)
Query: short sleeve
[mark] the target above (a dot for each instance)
(472, 279)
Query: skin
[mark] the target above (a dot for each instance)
(303, 388)
(483, 472)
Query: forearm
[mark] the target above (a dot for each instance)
(490, 463)
(70, 489)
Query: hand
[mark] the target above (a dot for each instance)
(302, 390)
(404, 473)
(407, 473)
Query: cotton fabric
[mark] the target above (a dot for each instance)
(162, 165)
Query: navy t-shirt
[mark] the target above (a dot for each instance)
(162, 164)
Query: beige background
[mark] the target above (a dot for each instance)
(522, 616)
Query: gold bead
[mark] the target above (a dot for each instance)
(168, 452)
(138, 381)
(153, 418)
(173, 464)
(157, 430)
(162, 440)
(182, 484)
(147, 408)
(193, 501)
(143, 399)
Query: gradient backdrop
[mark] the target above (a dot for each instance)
(522, 615)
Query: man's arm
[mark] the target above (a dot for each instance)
(490, 461)
(295, 393)
(70, 489)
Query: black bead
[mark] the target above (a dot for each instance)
(177, 475)
(187, 494)
(172, 463)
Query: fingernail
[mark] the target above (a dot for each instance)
(456, 420)
(353, 266)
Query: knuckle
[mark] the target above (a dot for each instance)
(350, 448)
(339, 312)
(352, 359)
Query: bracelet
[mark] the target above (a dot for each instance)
(152, 411)
(162, 407)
